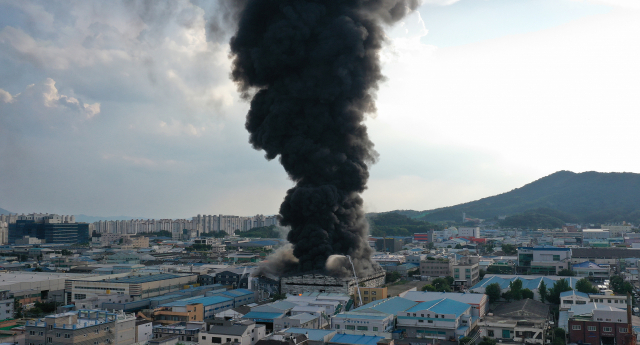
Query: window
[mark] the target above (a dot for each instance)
(32, 332)
(430, 321)
(607, 329)
(49, 340)
(490, 333)
(41, 334)
(57, 335)
(67, 336)
(556, 258)
(375, 329)
(337, 326)
(216, 340)
(95, 343)
(353, 328)
(50, 327)
(97, 331)
(365, 292)
(591, 328)
(622, 330)
(576, 327)
(568, 301)
(373, 292)
(363, 328)
(420, 320)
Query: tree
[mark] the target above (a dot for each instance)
(458, 246)
(559, 287)
(392, 277)
(619, 286)
(428, 287)
(509, 249)
(65, 252)
(508, 296)
(526, 293)
(481, 274)
(430, 245)
(487, 341)
(515, 287)
(38, 269)
(542, 290)
(493, 291)
(566, 273)
(465, 340)
(559, 336)
(584, 285)
(449, 280)
(441, 285)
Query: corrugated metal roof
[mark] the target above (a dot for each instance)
(388, 305)
(355, 339)
(134, 279)
(443, 306)
(573, 292)
(262, 315)
(205, 301)
(423, 296)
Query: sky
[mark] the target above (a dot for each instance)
(126, 107)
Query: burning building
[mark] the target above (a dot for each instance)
(319, 282)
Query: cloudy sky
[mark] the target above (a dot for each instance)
(126, 108)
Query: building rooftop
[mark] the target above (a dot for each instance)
(442, 306)
(528, 282)
(355, 339)
(262, 315)
(312, 334)
(136, 279)
(205, 301)
(587, 264)
(525, 309)
(573, 293)
(423, 296)
(391, 305)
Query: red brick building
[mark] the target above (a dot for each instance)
(601, 325)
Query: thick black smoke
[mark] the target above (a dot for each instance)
(312, 69)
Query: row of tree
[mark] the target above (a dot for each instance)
(516, 292)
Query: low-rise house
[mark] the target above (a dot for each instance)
(242, 332)
(186, 331)
(303, 320)
(591, 270)
(523, 321)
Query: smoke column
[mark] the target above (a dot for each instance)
(311, 69)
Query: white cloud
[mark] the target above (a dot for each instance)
(43, 99)
(5, 96)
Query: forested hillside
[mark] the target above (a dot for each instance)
(585, 197)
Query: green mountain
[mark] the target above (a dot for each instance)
(591, 197)
(3, 211)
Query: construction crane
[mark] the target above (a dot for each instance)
(356, 277)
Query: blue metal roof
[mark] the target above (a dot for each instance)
(388, 305)
(442, 306)
(356, 315)
(527, 283)
(205, 301)
(586, 264)
(574, 292)
(355, 339)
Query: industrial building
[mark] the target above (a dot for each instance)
(316, 282)
(137, 286)
(82, 327)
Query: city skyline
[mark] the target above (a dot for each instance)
(129, 111)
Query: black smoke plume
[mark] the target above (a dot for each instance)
(311, 69)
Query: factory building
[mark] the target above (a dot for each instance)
(316, 282)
